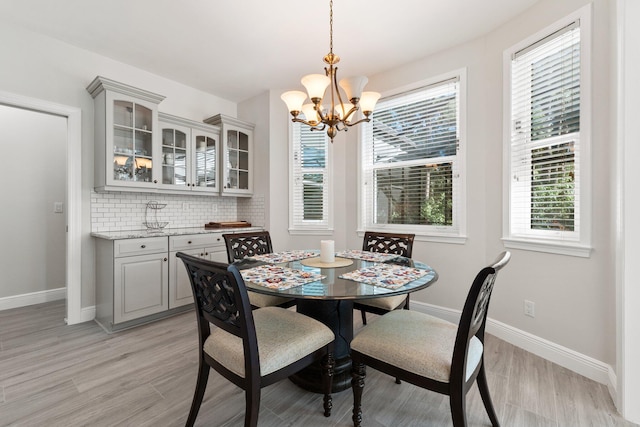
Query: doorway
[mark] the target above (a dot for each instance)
(39, 271)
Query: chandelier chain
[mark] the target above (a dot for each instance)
(331, 26)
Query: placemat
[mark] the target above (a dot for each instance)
(281, 278)
(366, 255)
(385, 275)
(315, 262)
(286, 256)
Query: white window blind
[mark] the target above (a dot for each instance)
(411, 173)
(545, 146)
(310, 207)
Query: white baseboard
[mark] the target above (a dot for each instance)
(23, 300)
(87, 314)
(563, 356)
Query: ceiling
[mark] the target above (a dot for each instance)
(237, 49)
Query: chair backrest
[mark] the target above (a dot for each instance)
(243, 245)
(474, 315)
(390, 243)
(221, 299)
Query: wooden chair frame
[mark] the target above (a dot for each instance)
(472, 323)
(221, 299)
(243, 245)
(393, 243)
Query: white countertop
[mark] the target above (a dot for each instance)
(136, 234)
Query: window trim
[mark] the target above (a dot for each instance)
(314, 227)
(433, 234)
(581, 246)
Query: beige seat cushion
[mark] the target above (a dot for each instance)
(386, 303)
(415, 342)
(262, 300)
(284, 336)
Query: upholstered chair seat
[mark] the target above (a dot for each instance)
(385, 303)
(427, 344)
(262, 300)
(284, 336)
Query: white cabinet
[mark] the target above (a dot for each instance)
(190, 155)
(237, 155)
(208, 246)
(132, 278)
(127, 143)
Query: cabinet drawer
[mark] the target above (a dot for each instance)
(147, 245)
(189, 241)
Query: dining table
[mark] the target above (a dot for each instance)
(326, 291)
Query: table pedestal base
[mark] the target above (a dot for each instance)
(338, 316)
(310, 377)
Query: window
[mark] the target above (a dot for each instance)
(310, 207)
(548, 142)
(411, 162)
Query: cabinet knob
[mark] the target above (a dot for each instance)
(189, 242)
(206, 253)
(165, 258)
(218, 239)
(155, 181)
(201, 254)
(143, 246)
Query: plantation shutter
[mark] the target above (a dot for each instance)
(310, 178)
(411, 172)
(545, 136)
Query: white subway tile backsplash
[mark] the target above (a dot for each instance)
(126, 211)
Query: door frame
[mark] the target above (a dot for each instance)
(74, 193)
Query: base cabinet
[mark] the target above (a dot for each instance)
(140, 286)
(132, 280)
(207, 246)
(139, 280)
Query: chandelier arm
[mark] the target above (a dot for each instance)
(365, 120)
(346, 117)
(311, 125)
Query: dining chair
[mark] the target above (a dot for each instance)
(251, 348)
(390, 243)
(243, 245)
(429, 352)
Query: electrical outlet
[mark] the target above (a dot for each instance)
(58, 207)
(529, 308)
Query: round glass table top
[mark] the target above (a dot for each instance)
(332, 287)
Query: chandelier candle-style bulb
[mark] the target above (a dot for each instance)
(353, 87)
(368, 101)
(310, 113)
(294, 100)
(315, 84)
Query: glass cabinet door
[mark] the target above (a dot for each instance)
(132, 142)
(205, 160)
(174, 157)
(237, 160)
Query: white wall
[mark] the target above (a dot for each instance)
(46, 69)
(627, 210)
(34, 147)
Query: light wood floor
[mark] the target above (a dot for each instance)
(57, 375)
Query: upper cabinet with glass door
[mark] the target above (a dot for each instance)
(237, 155)
(189, 155)
(127, 147)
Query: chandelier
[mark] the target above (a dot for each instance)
(333, 115)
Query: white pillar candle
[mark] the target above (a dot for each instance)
(327, 251)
